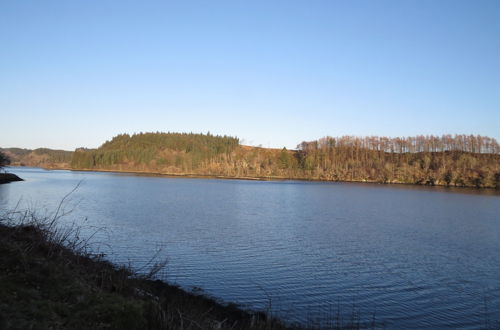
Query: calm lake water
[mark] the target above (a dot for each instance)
(401, 256)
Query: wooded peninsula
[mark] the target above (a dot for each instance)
(449, 160)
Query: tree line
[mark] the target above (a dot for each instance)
(459, 160)
(145, 151)
(41, 157)
(413, 144)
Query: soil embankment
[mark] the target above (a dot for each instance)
(45, 285)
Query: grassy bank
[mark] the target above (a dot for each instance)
(48, 280)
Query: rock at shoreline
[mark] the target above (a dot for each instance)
(9, 177)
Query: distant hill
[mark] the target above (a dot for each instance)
(173, 152)
(41, 157)
(458, 160)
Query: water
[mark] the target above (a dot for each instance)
(399, 256)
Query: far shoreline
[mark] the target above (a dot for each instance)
(263, 178)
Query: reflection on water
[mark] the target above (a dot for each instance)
(412, 256)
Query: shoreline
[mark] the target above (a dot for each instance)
(264, 178)
(53, 282)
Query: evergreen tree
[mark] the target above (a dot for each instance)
(4, 160)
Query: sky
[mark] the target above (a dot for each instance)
(273, 73)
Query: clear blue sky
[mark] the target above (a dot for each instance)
(270, 72)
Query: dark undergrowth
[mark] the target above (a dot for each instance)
(9, 177)
(46, 283)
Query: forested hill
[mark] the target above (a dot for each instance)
(41, 157)
(459, 160)
(157, 151)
